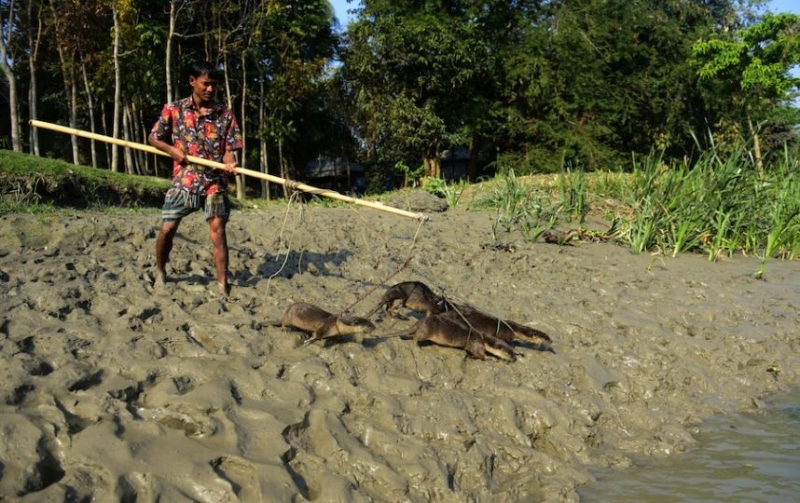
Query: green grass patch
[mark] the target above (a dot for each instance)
(34, 184)
(718, 206)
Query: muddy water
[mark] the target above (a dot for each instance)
(752, 457)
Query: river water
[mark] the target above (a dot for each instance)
(752, 457)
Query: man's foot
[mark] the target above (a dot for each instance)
(224, 289)
(161, 278)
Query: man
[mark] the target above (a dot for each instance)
(202, 127)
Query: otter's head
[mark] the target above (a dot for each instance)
(358, 324)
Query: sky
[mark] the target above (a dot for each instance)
(776, 6)
(340, 8)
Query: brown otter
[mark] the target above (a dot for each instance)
(447, 331)
(320, 324)
(505, 330)
(414, 295)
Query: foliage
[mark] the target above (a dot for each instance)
(747, 78)
(425, 57)
(450, 192)
(757, 59)
(409, 175)
(535, 86)
(717, 205)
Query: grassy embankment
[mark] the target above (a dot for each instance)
(719, 206)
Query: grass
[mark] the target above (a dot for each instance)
(718, 206)
(35, 184)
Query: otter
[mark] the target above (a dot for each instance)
(447, 331)
(505, 330)
(414, 295)
(320, 324)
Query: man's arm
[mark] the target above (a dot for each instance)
(229, 158)
(172, 150)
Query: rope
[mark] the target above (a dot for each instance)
(292, 199)
(409, 255)
(396, 272)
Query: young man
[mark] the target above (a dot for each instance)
(202, 127)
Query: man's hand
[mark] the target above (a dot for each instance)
(230, 167)
(177, 154)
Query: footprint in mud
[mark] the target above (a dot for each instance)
(185, 346)
(75, 423)
(19, 394)
(140, 317)
(44, 473)
(183, 384)
(192, 425)
(39, 369)
(87, 382)
(241, 475)
(26, 345)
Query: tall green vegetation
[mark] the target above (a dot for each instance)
(528, 85)
(409, 67)
(718, 205)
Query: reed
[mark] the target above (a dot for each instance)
(719, 205)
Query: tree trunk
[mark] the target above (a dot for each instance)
(117, 93)
(104, 123)
(284, 169)
(70, 91)
(263, 154)
(73, 112)
(476, 145)
(130, 166)
(90, 104)
(240, 182)
(13, 102)
(33, 96)
(168, 53)
(140, 135)
(433, 166)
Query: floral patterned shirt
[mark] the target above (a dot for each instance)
(208, 135)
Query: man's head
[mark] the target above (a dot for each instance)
(203, 78)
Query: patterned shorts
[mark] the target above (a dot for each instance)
(180, 203)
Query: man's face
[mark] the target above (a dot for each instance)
(203, 87)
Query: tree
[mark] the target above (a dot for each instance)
(7, 63)
(412, 67)
(34, 43)
(752, 69)
(293, 45)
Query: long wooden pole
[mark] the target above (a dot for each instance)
(218, 165)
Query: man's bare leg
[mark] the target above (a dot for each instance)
(163, 248)
(219, 240)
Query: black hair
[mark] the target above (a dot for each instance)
(205, 68)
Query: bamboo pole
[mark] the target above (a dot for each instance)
(218, 165)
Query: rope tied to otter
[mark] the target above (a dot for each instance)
(397, 271)
(293, 198)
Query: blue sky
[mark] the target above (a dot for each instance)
(340, 8)
(776, 6)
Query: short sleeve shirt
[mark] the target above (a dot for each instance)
(207, 135)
